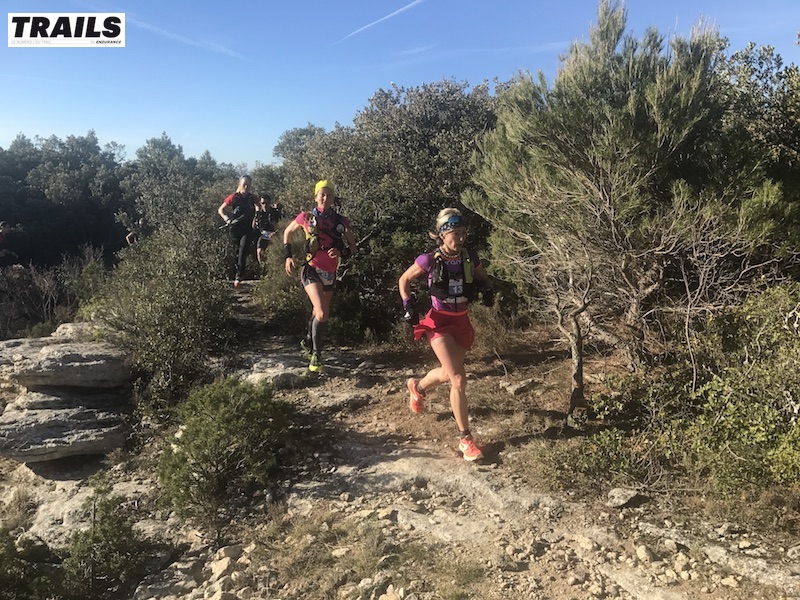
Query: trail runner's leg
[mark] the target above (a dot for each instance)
(451, 356)
(320, 302)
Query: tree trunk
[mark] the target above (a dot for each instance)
(570, 327)
(576, 396)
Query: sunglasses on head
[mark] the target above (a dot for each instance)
(453, 223)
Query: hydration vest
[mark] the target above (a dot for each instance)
(440, 278)
(313, 244)
(243, 209)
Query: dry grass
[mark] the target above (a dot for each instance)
(19, 511)
(318, 552)
(325, 552)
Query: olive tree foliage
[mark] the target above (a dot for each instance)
(75, 170)
(405, 157)
(625, 195)
(174, 192)
(766, 98)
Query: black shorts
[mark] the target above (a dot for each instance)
(311, 274)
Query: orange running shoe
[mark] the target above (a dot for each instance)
(416, 398)
(469, 449)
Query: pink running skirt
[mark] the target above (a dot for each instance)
(438, 323)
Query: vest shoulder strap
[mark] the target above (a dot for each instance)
(440, 271)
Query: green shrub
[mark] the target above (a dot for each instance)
(230, 433)
(40, 330)
(83, 276)
(29, 295)
(169, 305)
(784, 458)
(281, 295)
(106, 559)
(34, 300)
(16, 575)
(731, 423)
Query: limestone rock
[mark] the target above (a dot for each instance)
(620, 497)
(79, 332)
(517, 388)
(40, 426)
(35, 362)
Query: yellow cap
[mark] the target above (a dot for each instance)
(323, 184)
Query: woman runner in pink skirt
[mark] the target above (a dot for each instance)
(454, 276)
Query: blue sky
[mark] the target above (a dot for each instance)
(230, 77)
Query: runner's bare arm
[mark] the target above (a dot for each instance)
(290, 229)
(413, 272)
(288, 263)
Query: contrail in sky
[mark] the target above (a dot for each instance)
(176, 37)
(210, 46)
(389, 16)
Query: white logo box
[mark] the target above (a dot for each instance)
(66, 30)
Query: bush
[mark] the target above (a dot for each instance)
(281, 295)
(17, 577)
(106, 559)
(83, 276)
(229, 436)
(34, 300)
(732, 422)
(168, 304)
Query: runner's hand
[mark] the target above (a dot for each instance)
(410, 314)
(289, 265)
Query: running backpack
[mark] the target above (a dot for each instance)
(243, 208)
(440, 277)
(313, 244)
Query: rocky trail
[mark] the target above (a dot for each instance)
(385, 508)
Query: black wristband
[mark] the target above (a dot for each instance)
(287, 251)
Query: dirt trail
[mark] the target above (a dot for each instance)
(532, 544)
(488, 530)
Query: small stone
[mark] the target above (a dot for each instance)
(518, 388)
(234, 552)
(671, 545)
(644, 554)
(388, 514)
(573, 580)
(220, 568)
(585, 543)
(619, 497)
